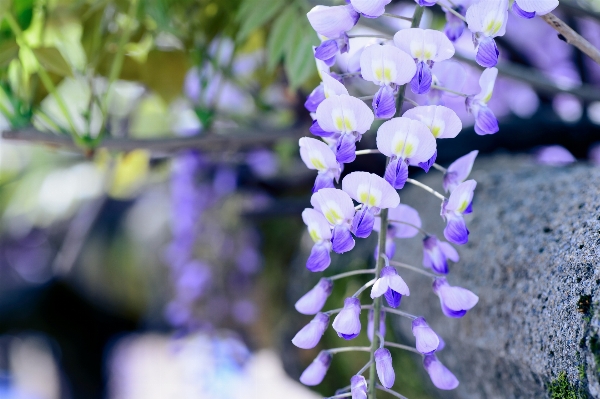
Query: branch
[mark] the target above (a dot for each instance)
(572, 37)
(231, 141)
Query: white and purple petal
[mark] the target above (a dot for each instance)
(421, 82)
(313, 301)
(442, 122)
(371, 190)
(347, 322)
(487, 52)
(358, 387)
(385, 369)
(488, 17)
(522, 13)
(363, 222)
(336, 205)
(371, 322)
(310, 335)
(459, 170)
(319, 258)
(540, 7)
(317, 224)
(317, 155)
(427, 340)
(386, 64)
(315, 372)
(370, 8)
(344, 114)
(461, 196)
(424, 44)
(384, 103)
(342, 240)
(396, 172)
(332, 86)
(332, 22)
(441, 377)
(407, 139)
(455, 301)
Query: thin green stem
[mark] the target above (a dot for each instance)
(372, 394)
(349, 349)
(399, 313)
(412, 102)
(400, 346)
(365, 367)
(393, 393)
(426, 188)
(456, 13)
(334, 311)
(352, 273)
(387, 14)
(440, 168)
(413, 268)
(449, 90)
(364, 287)
(44, 77)
(342, 395)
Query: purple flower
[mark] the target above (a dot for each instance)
(425, 46)
(313, 301)
(522, 13)
(374, 193)
(455, 26)
(311, 334)
(315, 98)
(442, 122)
(384, 103)
(487, 19)
(329, 87)
(192, 280)
(406, 142)
(358, 387)
(264, 163)
(371, 322)
(391, 285)
(347, 118)
(427, 340)
(441, 377)
(554, 155)
(455, 301)
(318, 156)
(338, 209)
(315, 372)
(459, 203)
(426, 3)
(436, 254)
(347, 322)
(485, 120)
(332, 22)
(319, 230)
(537, 7)
(370, 8)
(385, 370)
(459, 170)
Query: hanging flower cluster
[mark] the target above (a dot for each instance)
(414, 58)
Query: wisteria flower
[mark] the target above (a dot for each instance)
(332, 23)
(315, 372)
(455, 26)
(455, 301)
(373, 193)
(320, 232)
(406, 142)
(385, 370)
(459, 204)
(427, 340)
(485, 120)
(328, 87)
(530, 8)
(391, 285)
(459, 170)
(386, 66)
(371, 322)
(347, 322)
(358, 387)
(318, 156)
(441, 377)
(441, 121)
(337, 207)
(310, 335)
(313, 301)
(487, 20)
(370, 8)
(401, 221)
(346, 119)
(436, 254)
(554, 155)
(426, 46)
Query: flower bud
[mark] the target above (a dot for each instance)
(315, 372)
(385, 370)
(311, 334)
(427, 339)
(314, 300)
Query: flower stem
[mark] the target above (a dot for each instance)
(456, 13)
(413, 268)
(399, 313)
(364, 287)
(352, 273)
(387, 14)
(440, 168)
(365, 367)
(349, 349)
(449, 90)
(400, 346)
(365, 152)
(426, 188)
(393, 393)
(372, 393)
(572, 37)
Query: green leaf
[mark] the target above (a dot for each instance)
(258, 16)
(299, 60)
(51, 59)
(9, 50)
(280, 35)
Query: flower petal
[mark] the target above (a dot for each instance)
(404, 213)
(540, 7)
(315, 372)
(342, 239)
(336, 205)
(319, 258)
(317, 155)
(488, 17)
(441, 377)
(313, 301)
(442, 122)
(371, 190)
(310, 335)
(331, 22)
(424, 44)
(461, 197)
(384, 103)
(317, 224)
(332, 86)
(406, 138)
(370, 8)
(386, 64)
(459, 170)
(344, 114)
(487, 52)
(456, 229)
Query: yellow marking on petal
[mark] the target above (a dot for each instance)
(317, 163)
(388, 74)
(493, 27)
(463, 205)
(339, 123)
(363, 197)
(314, 234)
(332, 216)
(378, 73)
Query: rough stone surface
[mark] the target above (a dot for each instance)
(532, 258)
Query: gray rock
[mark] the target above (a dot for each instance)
(534, 261)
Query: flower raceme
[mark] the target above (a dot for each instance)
(388, 67)
(425, 46)
(406, 142)
(487, 20)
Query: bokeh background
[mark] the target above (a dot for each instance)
(158, 251)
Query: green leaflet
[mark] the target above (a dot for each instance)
(299, 58)
(51, 59)
(255, 13)
(281, 33)
(9, 50)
